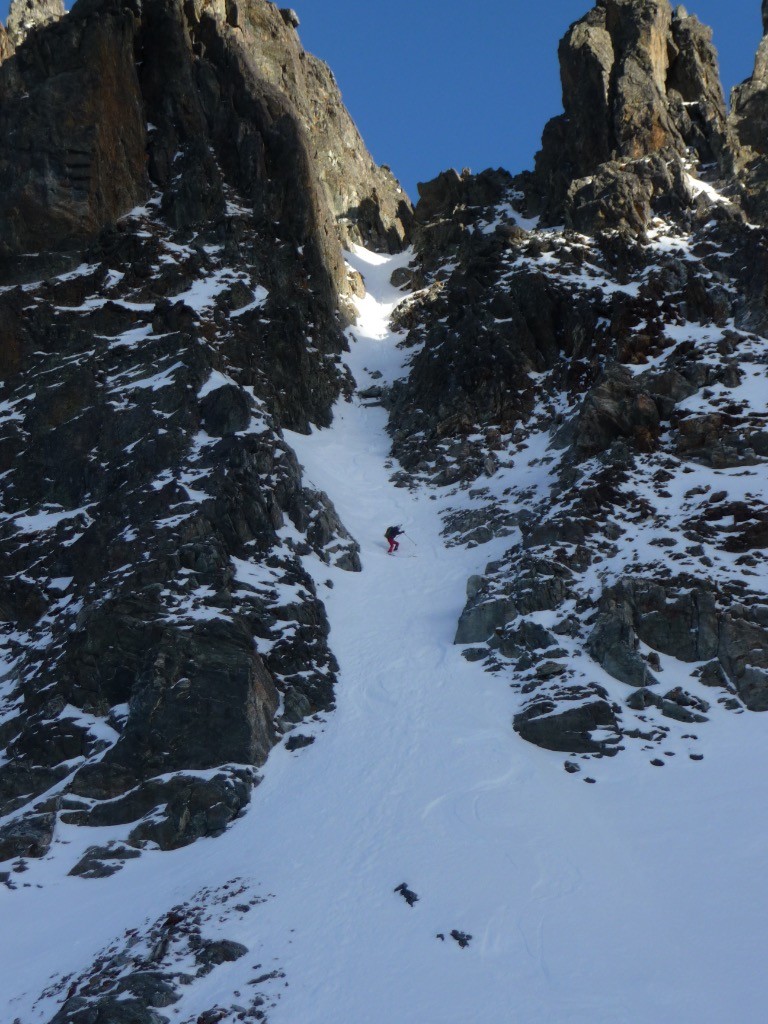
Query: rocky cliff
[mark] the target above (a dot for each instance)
(176, 184)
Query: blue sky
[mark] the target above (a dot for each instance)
(440, 83)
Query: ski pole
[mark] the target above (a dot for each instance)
(410, 539)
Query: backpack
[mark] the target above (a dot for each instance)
(392, 531)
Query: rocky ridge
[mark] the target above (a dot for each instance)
(595, 392)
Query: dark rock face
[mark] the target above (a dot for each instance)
(77, 109)
(72, 133)
(152, 516)
(617, 407)
(749, 123)
(694, 626)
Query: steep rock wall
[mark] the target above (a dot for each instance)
(171, 298)
(73, 171)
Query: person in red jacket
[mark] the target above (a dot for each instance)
(392, 533)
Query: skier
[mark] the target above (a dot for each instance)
(392, 533)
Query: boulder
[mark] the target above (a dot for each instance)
(677, 704)
(538, 584)
(171, 812)
(558, 726)
(290, 17)
(614, 644)
(28, 836)
(225, 410)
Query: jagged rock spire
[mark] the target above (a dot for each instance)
(638, 79)
(25, 15)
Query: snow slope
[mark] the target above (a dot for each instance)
(639, 899)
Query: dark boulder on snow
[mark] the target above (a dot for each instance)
(103, 861)
(582, 722)
(28, 836)
(676, 704)
(168, 812)
(226, 410)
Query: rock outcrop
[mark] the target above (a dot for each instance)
(25, 15)
(72, 133)
(749, 124)
(6, 46)
(639, 80)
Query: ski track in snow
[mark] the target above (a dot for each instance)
(638, 900)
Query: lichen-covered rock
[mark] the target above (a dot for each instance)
(6, 46)
(25, 15)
